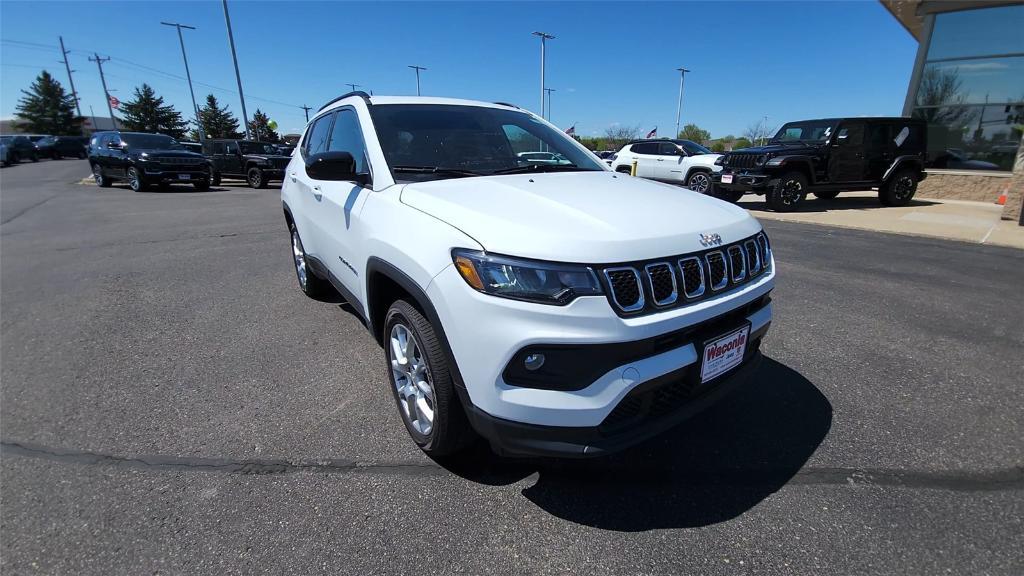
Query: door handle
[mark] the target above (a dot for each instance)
(317, 193)
(294, 179)
(661, 159)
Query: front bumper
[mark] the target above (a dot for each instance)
(742, 182)
(166, 175)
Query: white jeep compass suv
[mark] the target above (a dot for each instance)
(674, 161)
(552, 308)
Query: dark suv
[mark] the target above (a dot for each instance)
(144, 159)
(57, 147)
(255, 162)
(827, 157)
(20, 147)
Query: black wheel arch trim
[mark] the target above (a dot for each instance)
(375, 266)
(901, 162)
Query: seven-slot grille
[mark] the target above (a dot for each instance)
(740, 160)
(649, 286)
(179, 160)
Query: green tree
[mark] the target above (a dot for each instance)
(218, 121)
(148, 113)
(46, 109)
(718, 146)
(695, 133)
(260, 128)
(741, 143)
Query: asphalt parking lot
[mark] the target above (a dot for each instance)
(172, 404)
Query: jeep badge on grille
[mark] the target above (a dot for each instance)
(708, 240)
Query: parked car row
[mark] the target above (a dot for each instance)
(824, 157)
(16, 148)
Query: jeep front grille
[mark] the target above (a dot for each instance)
(644, 287)
(740, 160)
(179, 161)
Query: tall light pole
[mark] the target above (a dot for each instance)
(679, 106)
(188, 75)
(544, 37)
(549, 91)
(417, 69)
(238, 77)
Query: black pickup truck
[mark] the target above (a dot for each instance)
(257, 163)
(827, 157)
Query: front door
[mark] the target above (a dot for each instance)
(232, 158)
(646, 156)
(670, 162)
(846, 156)
(310, 192)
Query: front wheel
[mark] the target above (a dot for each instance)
(311, 285)
(899, 190)
(201, 185)
(786, 193)
(699, 182)
(256, 178)
(101, 180)
(215, 179)
(422, 384)
(135, 181)
(35, 157)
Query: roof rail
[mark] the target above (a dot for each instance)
(359, 93)
(509, 105)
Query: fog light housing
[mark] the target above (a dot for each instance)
(533, 362)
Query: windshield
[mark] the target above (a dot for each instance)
(258, 148)
(151, 141)
(693, 148)
(817, 131)
(430, 141)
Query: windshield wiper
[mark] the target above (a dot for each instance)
(541, 168)
(435, 170)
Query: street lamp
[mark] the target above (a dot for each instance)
(544, 37)
(549, 91)
(195, 109)
(679, 106)
(417, 69)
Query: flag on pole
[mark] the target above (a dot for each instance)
(653, 133)
(114, 102)
(571, 130)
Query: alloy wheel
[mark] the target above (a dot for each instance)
(133, 179)
(700, 183)
(97, 174)
(903, 187)
(791, 191)
(412, 379)
(300, 259)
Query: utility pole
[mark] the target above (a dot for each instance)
(306, 109)
(71, 81)
(188, 75)
(106, 94)
(417, 69)
(764, 129)
(93, 114)
(238, 77)
(549, 91)
(544, 37)
(679, 106)
(354, 86)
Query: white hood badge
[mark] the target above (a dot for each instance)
(709, 240)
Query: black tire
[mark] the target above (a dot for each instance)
(624, 170)
(310, 284)
(826, 194)
(35, 157)
(201, 185)
(786, 193)
(256, 178)
(449, 431)
(215, 179)
(13, 158)
(82, 155)
(101, 180)
(56, 155)
(727, 195)
(900, 188)
(700, 181)
(135, 180)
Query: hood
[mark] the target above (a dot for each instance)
(584, 217)
(268, 157)
(166, 152)
(776, 149)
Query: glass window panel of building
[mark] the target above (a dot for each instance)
(972, 89)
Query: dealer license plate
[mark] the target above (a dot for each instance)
(723, 354)
(184, 176)
(726, 178)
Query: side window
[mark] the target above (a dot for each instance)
(346, 136)
(229, 148)
(668, 149)
(878, 134)
(316, 138)
(907, 137)
(851, 134)
(646, 148)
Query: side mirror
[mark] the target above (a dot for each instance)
(114, 145)
(335, 166)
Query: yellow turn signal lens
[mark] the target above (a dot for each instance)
(468, 271)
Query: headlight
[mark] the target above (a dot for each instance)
(762, 159)
(720, 161)
(531, 280)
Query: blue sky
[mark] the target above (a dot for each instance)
(611, 63)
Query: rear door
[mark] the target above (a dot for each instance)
(846, 157)
(878, 150)
(646, 155)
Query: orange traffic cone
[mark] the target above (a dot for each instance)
(1002, 197)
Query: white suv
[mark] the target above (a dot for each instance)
(675, 161)
(557, 309)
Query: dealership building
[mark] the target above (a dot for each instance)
(968, 83)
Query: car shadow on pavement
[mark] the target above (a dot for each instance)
(712, 468)
(812, 204)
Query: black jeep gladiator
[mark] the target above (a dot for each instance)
(255, 162)
(827, 157)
